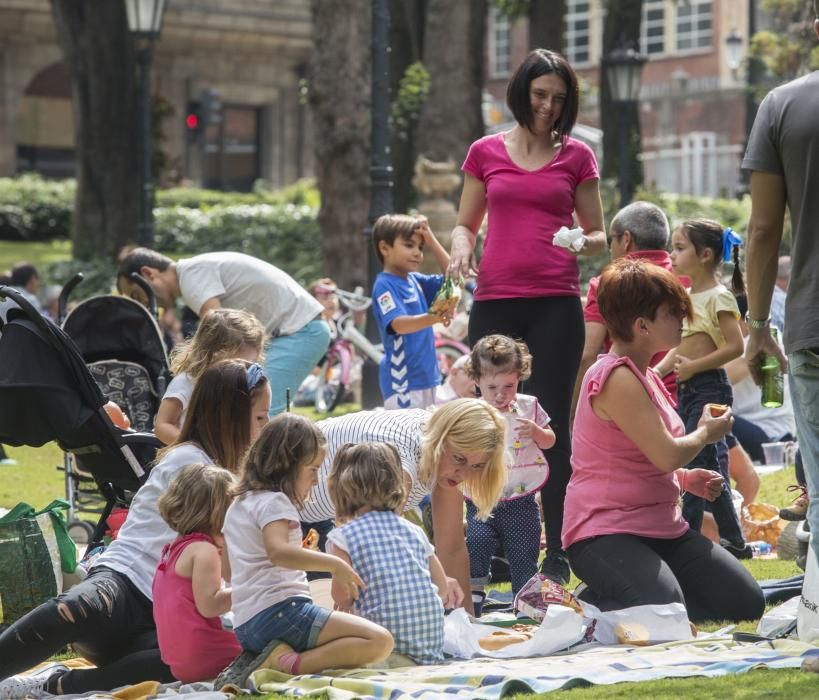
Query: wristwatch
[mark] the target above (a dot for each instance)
(754, 323)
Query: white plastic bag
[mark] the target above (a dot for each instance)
(807, 614)
(642, 624)
(777, 620)
(571, 238)
(561, 628)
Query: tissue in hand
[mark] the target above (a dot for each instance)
(569, 238)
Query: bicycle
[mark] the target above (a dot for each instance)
(342, 361)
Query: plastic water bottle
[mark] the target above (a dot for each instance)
(773, 386)
(759, 547)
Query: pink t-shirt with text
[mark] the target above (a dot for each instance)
(526, 208)
(614, 488)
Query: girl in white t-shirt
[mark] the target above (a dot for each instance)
(274, 617)
(222, 334)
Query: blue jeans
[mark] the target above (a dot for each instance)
(710, 386)
(804, 383)
(516, 525)
(290, 358)
(295, 621)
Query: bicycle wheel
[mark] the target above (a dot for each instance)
(330, 389)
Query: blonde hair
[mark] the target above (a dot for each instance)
(498, 354)
(468, 425)
(221, 335)
(287, 443)
(197, 499)
(368, 474)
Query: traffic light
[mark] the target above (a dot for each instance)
(211, 112)
(194, 124)
(202, 113)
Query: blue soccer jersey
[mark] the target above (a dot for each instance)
(410, 362)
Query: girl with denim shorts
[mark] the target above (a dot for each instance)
(709, 341)
(275, 619)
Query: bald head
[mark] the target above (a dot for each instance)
(646, 223)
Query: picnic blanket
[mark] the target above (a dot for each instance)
(497, 678)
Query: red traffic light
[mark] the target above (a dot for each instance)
(192, 121)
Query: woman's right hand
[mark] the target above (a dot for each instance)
(461, 259)
(716, 428)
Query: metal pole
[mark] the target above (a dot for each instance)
(625, 165)
(380, 173)
(146, 224)
(753, 75)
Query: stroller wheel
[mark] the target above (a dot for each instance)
(80, 531)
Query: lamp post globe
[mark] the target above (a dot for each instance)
(733, 51)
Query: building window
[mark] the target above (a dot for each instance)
(232, 150)
(694, 25)
(499, 59)
(578, 35)
(652, 28)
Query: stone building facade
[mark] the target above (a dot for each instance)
(253, 52)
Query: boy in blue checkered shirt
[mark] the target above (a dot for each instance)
(404, 580)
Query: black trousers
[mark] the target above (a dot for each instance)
(106, 619)
(553, 329)
(626, 570)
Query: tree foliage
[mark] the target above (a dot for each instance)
(788, 47)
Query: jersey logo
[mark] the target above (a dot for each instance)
(386, 303)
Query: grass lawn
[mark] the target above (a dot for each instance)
(37, 480)
(39, 254)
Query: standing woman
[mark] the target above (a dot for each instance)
(532, 179)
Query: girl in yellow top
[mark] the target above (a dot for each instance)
(709, 341)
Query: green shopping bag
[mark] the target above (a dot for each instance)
(35, 549)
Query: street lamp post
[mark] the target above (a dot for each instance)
(623, 69)
(144, 23)
(380, 173)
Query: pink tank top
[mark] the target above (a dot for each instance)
(614, 489)
(196, 648)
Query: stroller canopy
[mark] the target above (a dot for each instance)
(118, 328)
(46, 392)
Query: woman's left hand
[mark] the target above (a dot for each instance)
(703, 483)
(454, 594)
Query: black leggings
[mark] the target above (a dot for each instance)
(106, 619)
(622, 571)
(553, 329)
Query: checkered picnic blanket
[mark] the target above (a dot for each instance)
(496, 678)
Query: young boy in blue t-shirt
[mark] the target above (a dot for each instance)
(409, 371)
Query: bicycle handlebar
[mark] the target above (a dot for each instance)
(355, 301)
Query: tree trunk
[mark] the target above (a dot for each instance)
(622, 29)
(100, 59)
(547, 25)
(339, 90)
(406, 47)
(454, 56)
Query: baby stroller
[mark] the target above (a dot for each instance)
(122, 346)
(47, 393)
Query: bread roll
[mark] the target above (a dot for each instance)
(717, 409)
(504, 638)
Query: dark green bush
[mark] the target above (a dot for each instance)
(286, 235)
(34, 209)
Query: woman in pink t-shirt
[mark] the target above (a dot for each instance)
(624, 530)
(532, 180)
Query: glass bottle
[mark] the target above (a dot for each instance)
(773, 384)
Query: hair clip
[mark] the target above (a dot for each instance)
(729, 240)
